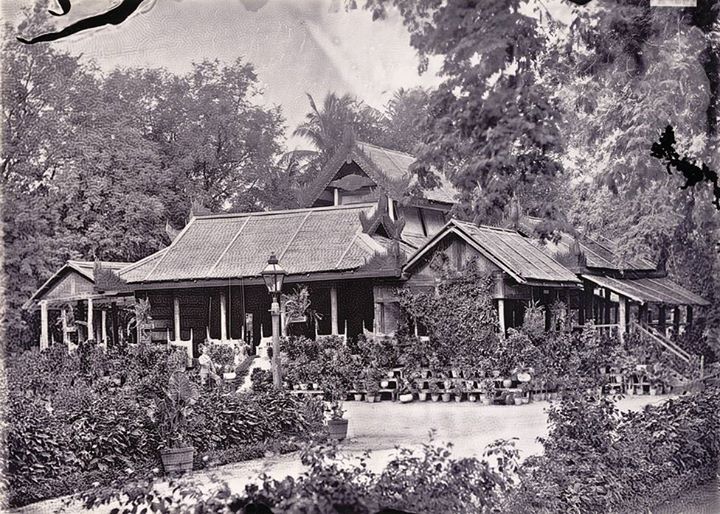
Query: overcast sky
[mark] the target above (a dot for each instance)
(297, 46)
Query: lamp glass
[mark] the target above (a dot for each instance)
(273, 275)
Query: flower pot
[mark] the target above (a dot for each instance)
(370, 398)
(507, 383)
(406, 398)
(316, 386)
(470, 384)
(358, 397)
(425, 373)
(486, 400)
(524, 377)
(391, 374)
(455, 373)
(337, 429)
(422, 397)
(304, 387)
(495, 373)
(653, 391)
(447, 384)
(472, 398)
(177, 460)
(229, 376)
(384, 384)
(525, 400)
(458, 397)
(435, 396)
(446, 397)
(296, 387)
(518, 400)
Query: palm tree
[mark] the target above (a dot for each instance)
(325, 127)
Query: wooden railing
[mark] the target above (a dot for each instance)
(670, 346)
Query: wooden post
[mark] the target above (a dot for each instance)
(223, 317)
(63, 317)
(642, 314)
(336, 196)
(90, 320)
(622, 317)
(661, 319)
(176, 318)
(44, 341)
(689, 317)
(115, 324)
(501, 316)
(608, 304)
(334, 310)
(103, 327)
(676, 320)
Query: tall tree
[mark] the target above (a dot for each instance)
(492, 125)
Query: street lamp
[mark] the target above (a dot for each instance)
(274, 275)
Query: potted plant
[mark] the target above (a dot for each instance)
(172, 410)
(337, 424)
(406, 392)
(371, 384)
(446, 392)
(423, 394)
(525, 388)
(142, 321)
(296, 305)
(487, 386)
(434, 391)
(223, 356)
(337, 365)
(458, 390)
(507, 383)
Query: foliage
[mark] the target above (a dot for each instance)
(174, 408)
(222, 355)
(89, 416)
(597, 459)
(460, 318)
(261, 380)
(424, 481)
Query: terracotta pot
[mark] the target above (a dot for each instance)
(472, 398)
(525, 400)
(229, 376)
(406, 398)
(435, 397)
(358, 397)
(507, 383)
(391, 374)
(458, 397)
(370, 398)
(425, 373)
(422, 397)
(446, 397)
(384, 383)
(177, 460)
(337, 429)
(486, 400)
(518, 401)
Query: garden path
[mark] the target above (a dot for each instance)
(380, 427)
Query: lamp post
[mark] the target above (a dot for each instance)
(274, 276)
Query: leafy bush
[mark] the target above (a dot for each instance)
(88, 416)
(597, 459)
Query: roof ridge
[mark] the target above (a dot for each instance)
(386, 149)
(286, 211)
(132, 265)
(487, 227)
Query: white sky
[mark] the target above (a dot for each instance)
(297, 46)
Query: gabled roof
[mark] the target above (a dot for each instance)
(232, 246)
(600, 252)
(508, 250)
(656, 290)
(84, 268)
(389, 169)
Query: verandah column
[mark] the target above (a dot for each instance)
(334, 310)
(103, 327)
(176, 317)
(223, 317)
(622, 317)
(90, 320)
(63, 317)
(501, 315)
(44, 341)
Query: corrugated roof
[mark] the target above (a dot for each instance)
(600, 252)
(509, 250)
(387, 168)
(396, 166)
(655, 290)
(84, 268)
(238, 245)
